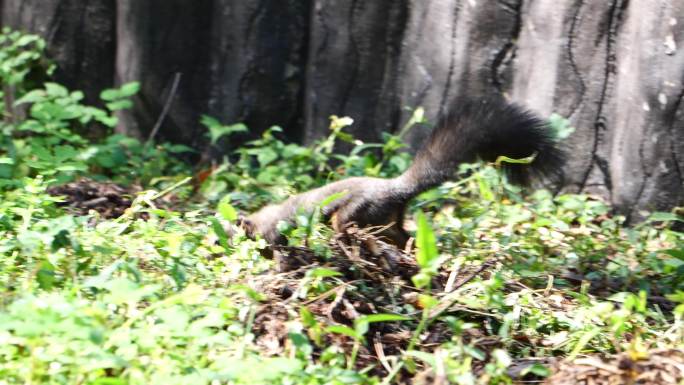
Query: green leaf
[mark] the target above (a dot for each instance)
(220, 232)
(664, 217)
(66, 152)
(54, 89)
(109, 95)
(109, 121)
(218, 130)
(46, 275)
(560, 127)
(427, 301)
(109, 381)
(77, 96)
(264, 370)
(321, 272)
(502, 358)
(122, 290)
(585, 338)
(344, 330)
(676, 297)
(677, 253)
(129, 89)
(70, 167)
(475, 352)
(338, 123)
(333, 197)
(382, 317)
(361, 323)
(179, 148)
(265, 156)
(421, 279)
(484, 188)
(249, 292)
(120, 105)
(426, 243)
(423, 356)
(26, 40)
(504, 159)
(417, 117)
(209, 121)
(125, 91)
(31, 97)
(301, 342)
(226, 210)
(307, 317)
(536, 369)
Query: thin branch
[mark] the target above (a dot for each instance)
(165, 110)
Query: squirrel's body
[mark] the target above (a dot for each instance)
(365, 201)
(474, 129)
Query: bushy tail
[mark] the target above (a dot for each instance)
(484, 129)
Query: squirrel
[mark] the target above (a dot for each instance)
(481, 128)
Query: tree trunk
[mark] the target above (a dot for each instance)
(239, 61)
(80, 37)
(615, 68)
(352, 67)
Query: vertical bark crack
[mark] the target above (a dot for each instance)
(642, 185)
(672, 119)
(55, 23)
(395, 37)
(318, 14)
(250, 65)
(80, 56)
(506, 54)
(416, 38)
(300, 120)
(452, 59)
(356, 56)
(600, 122)
(571, 57)
(252, 22)
(317, 46)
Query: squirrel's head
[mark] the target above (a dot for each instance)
(247, 225)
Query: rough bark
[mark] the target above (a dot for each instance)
(352, 65)
(455, 48)
(615, 68)
(79, 34)
(240, 61)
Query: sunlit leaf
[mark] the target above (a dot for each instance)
(226, 210)
(426, 243)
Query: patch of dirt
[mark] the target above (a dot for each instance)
(374, 277)
(83, 195)
(270, 325)
(659, 368)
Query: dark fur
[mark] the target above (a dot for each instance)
(473, 129)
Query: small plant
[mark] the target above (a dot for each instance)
(48, 140)
(268, 169)
(23, 68)
(359, 330)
